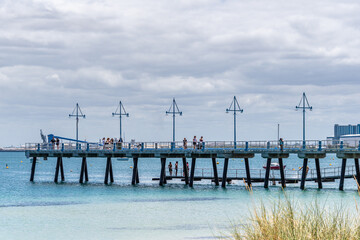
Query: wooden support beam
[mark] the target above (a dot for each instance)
(86, 171)
(81, 180)
(162, 171)
(216, 177)
(164, 180)
(192, 174)
(342, 177)
(57, 170)
(111, 171)
(318, 173)
(186, 172)
(303, 175)
(282, 174)
(356, 160)
(137, 176)
(135, 161)
(267, 173)
(248, 177)
(224, 178)
(62, 169)
(33, 166)
(107, 171)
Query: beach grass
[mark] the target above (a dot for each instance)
(285, 219)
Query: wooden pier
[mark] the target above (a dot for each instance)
(269, 150)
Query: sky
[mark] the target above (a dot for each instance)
(54, 54)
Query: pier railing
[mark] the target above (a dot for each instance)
(259, 173)
(290, 145)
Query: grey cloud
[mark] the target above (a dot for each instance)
(56, 53)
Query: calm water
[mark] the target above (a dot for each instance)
(44, 210)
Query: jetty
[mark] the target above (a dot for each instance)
(212, 150)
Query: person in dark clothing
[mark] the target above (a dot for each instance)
(57, 143)
(52, 143)
(176, 168)
(170, 168)
(281, 143)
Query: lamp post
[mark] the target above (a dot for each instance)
(77, 113)
(174, 109)
(120, 111)
(234, 107)
(304, 104)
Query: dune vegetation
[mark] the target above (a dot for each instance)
(284, 219)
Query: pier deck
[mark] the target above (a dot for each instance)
(212, 150)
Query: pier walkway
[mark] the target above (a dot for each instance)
(246, 150)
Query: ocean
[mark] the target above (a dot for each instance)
(69, 210)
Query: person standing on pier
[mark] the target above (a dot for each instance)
(281, 143)
(194, 142)
(185, 143)
(57, 143)
(201, 141)
(53, 143)
(176, 167)
(170, 168)
(120, 143)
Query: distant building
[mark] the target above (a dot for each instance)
(341, 130)
(350, 140)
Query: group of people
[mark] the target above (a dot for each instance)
(108, 142)
(55, 141)
(196, 144)
(170, 167)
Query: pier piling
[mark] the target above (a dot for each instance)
(81, 180)
(342, 176)
(135, 172)
(192, 174)
(267, 173)
(318, 173)
(33, 166)
(303, 175)
(137, 175)
(62, 170)
(186, 172)
(57, 169)
(356, 160)
(162, 171)
(248, 172)
(216, 177)
(224, 178)
(282, 175)
(108, 171)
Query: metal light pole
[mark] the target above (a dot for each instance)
(234, 107)
(174, 110)
(77, 113)
(305, 105)
(122, 112)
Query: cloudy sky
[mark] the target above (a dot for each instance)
(54, 54)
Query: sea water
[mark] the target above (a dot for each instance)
(69, 210)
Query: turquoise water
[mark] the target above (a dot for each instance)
(44, 210)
